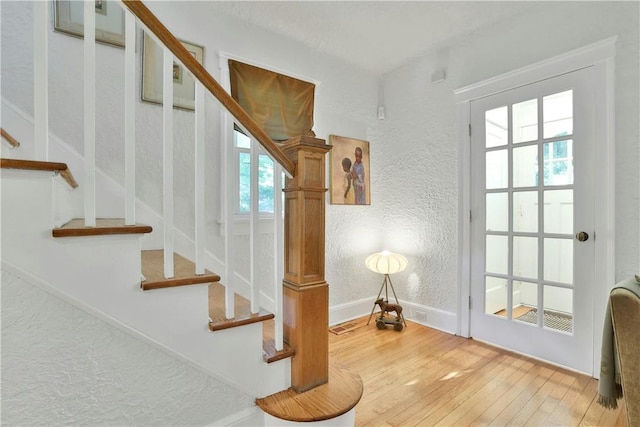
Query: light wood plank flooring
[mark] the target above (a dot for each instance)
(424, 377)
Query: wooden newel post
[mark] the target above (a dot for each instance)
(306, 294)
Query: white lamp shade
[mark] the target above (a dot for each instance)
(386, 262)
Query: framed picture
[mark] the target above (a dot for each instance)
(69, 19)
(349, 171)
(183, 82)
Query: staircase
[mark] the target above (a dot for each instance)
(75, 263)
(158, 284)
(100, 267)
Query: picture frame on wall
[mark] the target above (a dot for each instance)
(69, 19)
(349, 171)
(183, 81)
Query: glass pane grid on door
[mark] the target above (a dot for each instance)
(529, 212)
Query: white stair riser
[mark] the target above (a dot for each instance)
(27, 223)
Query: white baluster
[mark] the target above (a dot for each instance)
(130, 96)
(167, 150)
(228, 179)
(40, 80)
(253, 226)
(1, 60)
(229, 199)
(278, 254)
(89, 183)
(199, 185)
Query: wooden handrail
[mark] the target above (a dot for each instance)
(56, 167)
(60, 168)
(14, 142)
(199, 72)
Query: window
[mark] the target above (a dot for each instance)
(242, 144)
(558, 162)
(283, 107)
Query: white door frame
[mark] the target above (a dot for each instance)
(600, 56)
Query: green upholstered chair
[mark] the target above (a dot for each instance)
(625, 313)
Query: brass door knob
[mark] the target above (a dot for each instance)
(582, 236)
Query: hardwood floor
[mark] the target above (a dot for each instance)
(424, 377)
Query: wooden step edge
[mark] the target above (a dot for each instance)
(338, 396)
(32, 165)
(184, 271)
(104, 227)
(179, 281)
(102, 231)
(56, 167)
(220, 325)
(270, 354)
(10, 139)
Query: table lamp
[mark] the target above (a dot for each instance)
(386, 263)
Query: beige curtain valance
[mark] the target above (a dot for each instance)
(281, 105)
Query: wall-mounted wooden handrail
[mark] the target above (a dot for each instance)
(199, 72)
(11, 140)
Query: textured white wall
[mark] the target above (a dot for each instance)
(414, 150)
(61, 366)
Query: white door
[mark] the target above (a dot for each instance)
(532, 178)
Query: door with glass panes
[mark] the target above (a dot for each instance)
(532, 220)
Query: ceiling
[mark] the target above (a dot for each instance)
(377, 36)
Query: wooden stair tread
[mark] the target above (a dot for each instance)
(184, 274)
(243, 316)
(183, 269)
(56, 167)
(269, 352)
(242, 310)
(338, 396)
(104, 226)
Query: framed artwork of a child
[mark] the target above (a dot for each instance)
(349, 171)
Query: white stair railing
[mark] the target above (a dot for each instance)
(161, 33)
(130, 98)
(278, 239)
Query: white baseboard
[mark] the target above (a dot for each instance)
(444, 321)
(434, 318)
(250, 417)
(341, 313)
